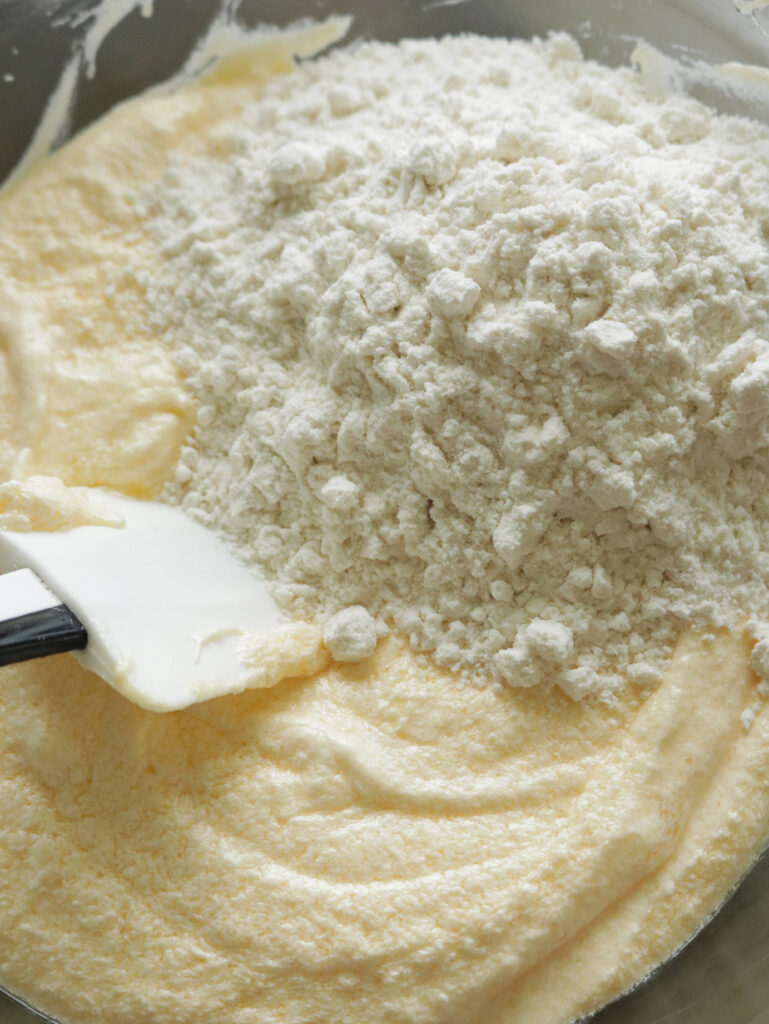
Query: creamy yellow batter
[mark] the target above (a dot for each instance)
(376, 843)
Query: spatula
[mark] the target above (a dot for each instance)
(155, 607)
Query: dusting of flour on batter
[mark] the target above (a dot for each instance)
(479, 334)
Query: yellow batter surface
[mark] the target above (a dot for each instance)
(370, 844)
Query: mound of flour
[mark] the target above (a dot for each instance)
(479, 334)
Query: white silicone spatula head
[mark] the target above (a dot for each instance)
(163, 602)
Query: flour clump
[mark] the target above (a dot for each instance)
(351, 634)
(479, 336)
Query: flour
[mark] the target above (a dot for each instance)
(479, 334)
(351, 635)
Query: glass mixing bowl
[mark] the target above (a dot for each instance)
(721, 975)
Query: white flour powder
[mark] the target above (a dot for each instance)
(480, 337)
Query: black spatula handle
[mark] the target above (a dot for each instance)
(39, 634)
(32, 623)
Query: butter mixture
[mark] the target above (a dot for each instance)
(374, 842)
